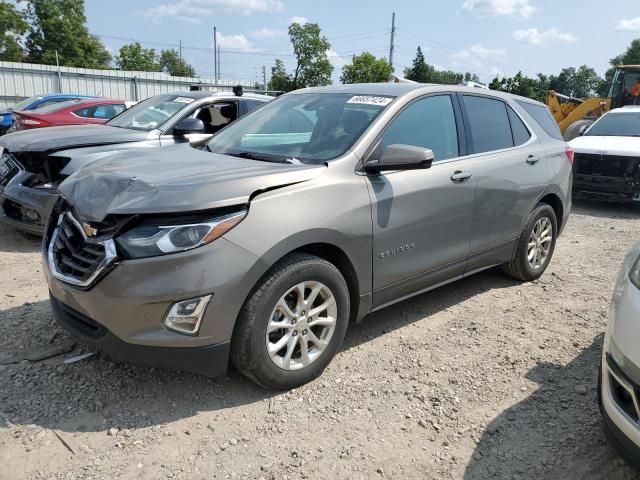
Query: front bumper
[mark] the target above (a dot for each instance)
(210, 360)
(129, 303)
(605, 188)
(16, 200)
(621, 430)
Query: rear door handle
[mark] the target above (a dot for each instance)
(459, 176)
(533, 159)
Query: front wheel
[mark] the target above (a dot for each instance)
(292, 324)
(535, 245)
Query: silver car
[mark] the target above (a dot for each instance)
(309, 213)
(619, 379)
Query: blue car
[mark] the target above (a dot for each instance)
(32, 103)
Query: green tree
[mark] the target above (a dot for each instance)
(133, 57)
(310, 48)
(419, 71)
(171, 63)
(12, 27)
(582, 82)
(366, 68)
(280, 79)
(60, 25)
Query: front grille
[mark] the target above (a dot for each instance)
(74, 258)
(9, 168)
(607, 165)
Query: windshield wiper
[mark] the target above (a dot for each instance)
(258, 156)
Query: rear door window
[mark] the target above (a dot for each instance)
(489, 124)
(428, 123)
(252, 104)
(542, 115)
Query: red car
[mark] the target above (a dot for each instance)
(74, 112)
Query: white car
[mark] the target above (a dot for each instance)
(619, 380)
(607, 157)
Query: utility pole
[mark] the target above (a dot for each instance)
(215, 55)
(180, 48)
(264, 78)
(219, 74)
(59, 73)
(393, 33)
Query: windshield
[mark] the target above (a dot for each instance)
(151, 113)
(25, 103)
(310, 127)
(616, 125)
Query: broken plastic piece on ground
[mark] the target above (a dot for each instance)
(39, 353)
(78, 358)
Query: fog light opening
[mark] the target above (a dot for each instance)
(185, 316)
(32, 215)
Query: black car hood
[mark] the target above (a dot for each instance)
(172, 180)
(52, 139)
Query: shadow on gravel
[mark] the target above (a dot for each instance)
(555, 433)
(13, 241)
(603, 209)
(96, 394)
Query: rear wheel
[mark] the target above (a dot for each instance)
(535, 245)
(293, 323)
(573, 130)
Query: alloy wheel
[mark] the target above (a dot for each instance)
(301, 325)
(540, 243)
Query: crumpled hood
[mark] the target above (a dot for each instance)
(51, 139)
(625, 146)
(172, 180)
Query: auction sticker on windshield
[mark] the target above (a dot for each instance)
(370, 100)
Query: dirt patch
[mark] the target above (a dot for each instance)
(485, 378)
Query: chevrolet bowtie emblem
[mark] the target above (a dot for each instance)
(89, 231)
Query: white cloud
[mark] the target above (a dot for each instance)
(533, 36)
(192, 10)
(236, 42)
(497, 8)
(476, 55)
(268, 33)
(336, 60)
(632, 24)
(300, 20)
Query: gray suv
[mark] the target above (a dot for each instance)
(312, 211)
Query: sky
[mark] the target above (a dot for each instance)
(486, 37)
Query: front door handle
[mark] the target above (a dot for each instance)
(533, 159)
(459, 176)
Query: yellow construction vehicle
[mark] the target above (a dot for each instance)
(574, 115)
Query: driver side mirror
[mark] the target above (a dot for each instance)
(583, 129)
(188, 125)
(401, 157)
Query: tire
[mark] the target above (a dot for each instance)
(520, 267)
(264, 306)
(573, 130)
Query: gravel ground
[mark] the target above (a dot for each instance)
(485, 378)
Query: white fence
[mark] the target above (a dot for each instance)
(22, 80)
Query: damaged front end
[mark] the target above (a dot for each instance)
(607, 177)
(28, 189)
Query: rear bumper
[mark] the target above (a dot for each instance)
(209, 360)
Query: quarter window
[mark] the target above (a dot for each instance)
(428, 123)
(489, 124)
(542, 115)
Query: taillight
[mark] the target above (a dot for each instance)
(569, 153)
(32, 122)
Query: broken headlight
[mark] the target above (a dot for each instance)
(152, 240)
